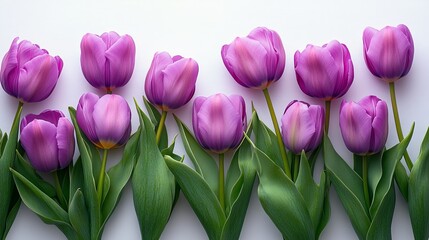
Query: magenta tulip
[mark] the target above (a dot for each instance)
(108, 60)
(219, 121)
(324, 72)
(257, 60)
(28, 72)
(389, 52)
(364, 125)
(106, 121)
(48, 140)
(170, 81)
(302, 126)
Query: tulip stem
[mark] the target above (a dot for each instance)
(278, 134)
(296, 167)
(398, 123)
(101, 177)
(160, 126)
(365, 179)
(60, 194)
(221, 180)
(327, 115)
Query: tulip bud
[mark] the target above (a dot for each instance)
(389, 52)
(324, 72)
(170, 81)
(28, 72)
(302, 126)
(257, 60)
(106, 121)
(48, 140)
(219, 121)
(108, 60)
(364, 125)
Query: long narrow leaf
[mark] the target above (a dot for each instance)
(78, 214)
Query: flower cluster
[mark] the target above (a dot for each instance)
(83, 193)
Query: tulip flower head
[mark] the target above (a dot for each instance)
(324, 72)
(108, 60)
(106, 121)
(170, 81)
(48, 140)
(257, 60)
(389, 52)
(364, 125)
(28, 72)
(302, 126)
(219, 121)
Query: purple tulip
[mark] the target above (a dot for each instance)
(324, 72)
(170, 81)
(257, 60)
(28, 72)
(389, 52)
(106, 121)
(364, 125)
(48, 140)
(108, 60)
(219, 121)
(302, 126)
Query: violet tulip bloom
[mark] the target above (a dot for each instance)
(389, 52)
(28, 72)
(302, 126)
(108, 60)
(257, 60)
(106, 121)
(48, 140)
(364, 125)
(219, 121)
(324, 72)
(170, 81)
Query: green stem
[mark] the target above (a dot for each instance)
(101, 176)
(327, 115)
(365, 179)
(60, 193)
(160, 126)
(296, 167)
(398, 123)
(278, 134)
(221, 180)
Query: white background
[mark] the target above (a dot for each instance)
(198, 29)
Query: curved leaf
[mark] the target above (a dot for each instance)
(155, 117)
(203, 162)
(200, 196)
(418, 192)
(381, 224)
(78, 215)
(152, 192)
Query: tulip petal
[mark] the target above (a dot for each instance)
(155, 77)
(65, 142)
(179, 82)
(410, 55)
(112, 118)
(110, 38)
(51, 116)
(121, 58)
(28, 51)
(93, 60)
(38, 78)
(354, 125)
(84, 115)
(38, 139)
(9, 74)
(379, 127)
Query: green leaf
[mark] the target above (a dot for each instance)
(76, 177)
(3, 141)
(313, 195)
(203, 162)
(381, 224)
(152, 191)
(266, 140)
(155, 117)
(200, 196)
(240, 193)
(39, 202)
(326, 213)
(281, 200)
(401, 178)
(348, 186)
(119, 175)
(89, 189)
(418, 192)
(11, 216)
(375, 172)
(6, 180)
(78, 215)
